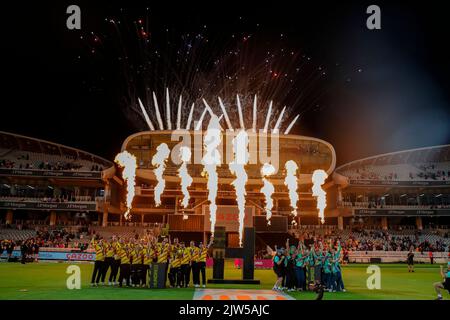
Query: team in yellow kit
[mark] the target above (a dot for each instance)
(134, 259)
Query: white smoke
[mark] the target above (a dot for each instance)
(159, 161)
(186, 179)
(291, 182)
(318, 179)
(241, 157)
(268, 189)
(127, 161)
(211, 160)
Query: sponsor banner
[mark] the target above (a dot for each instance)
(396, 256)
(58, 255)
(228, 217)
(411, 183)
(51, 173)
(67, 206)
(406, 212)
(259, 263)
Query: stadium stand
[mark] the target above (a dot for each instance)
(411, 165)
(20, 152)
(424, 171)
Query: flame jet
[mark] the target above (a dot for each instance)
(211, 160)
(291, 182)
(318, 179)
(186, 179)
(159, 161)
(127, 161)
(268, 189)
(241, 157)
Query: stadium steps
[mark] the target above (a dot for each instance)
(17, 235)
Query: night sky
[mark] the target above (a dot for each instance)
(384, 90)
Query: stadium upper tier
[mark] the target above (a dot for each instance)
(430, 164)
(25, 153)
(51, 199)
(309, 153)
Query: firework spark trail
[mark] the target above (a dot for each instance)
(291, 125)
(276, 130)
(269, 113)
(199, 67)
(159, 161)
(127, 161)
(291, 182)
(254, 120)
(241, 118)
(225, 113)
(179, 113)
(237, 167)
(189, 120)
(268, 189)
(158, 114)
(168, 112)
(210, 161)
(147, 119)
(318, 179)
(186, 179)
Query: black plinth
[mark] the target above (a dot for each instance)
(234, 281)
(221, 252)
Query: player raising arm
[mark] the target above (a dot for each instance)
(445, 284)
(201, 263)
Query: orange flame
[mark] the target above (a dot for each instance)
(127, 161)
(318, 179)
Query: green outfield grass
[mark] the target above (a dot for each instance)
(48, 281)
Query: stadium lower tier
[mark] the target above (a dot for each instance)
(26, 282)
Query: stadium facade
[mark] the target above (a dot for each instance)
(50, 184)
(410, 187)
(45, 183)
(193, 222)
